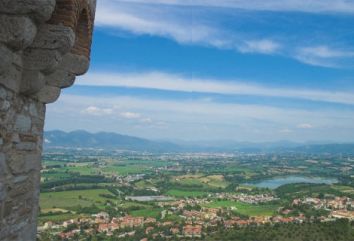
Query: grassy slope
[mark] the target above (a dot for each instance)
(69, 199)
(245, 208)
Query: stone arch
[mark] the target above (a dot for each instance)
(75, 14)
(60, 51)
(83, 30)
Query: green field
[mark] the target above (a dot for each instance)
(298, 190)
(58, 217)
(69, 199)
(57, 175)
(151, 212)
(245, 208)
(143, 184)
(344, 189)
(129, 204)
(182, 193)
(212, 181)
(82, 169)
(125, 169)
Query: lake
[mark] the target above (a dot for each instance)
(279, 181)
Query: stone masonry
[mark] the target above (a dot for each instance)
(44, 45)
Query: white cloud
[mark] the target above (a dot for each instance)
(182, 26)
(130, 115)
(326, 52)
(188, 119)
(153, 21)
(305, 126)
(146, 120)
(115, 113)
(165, 81)
(322, 55)
(93, 110)
(286, 131)
(186, 26)
(264, 46)
(315, 6)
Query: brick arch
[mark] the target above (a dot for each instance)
(76, 14)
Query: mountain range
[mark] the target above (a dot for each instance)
(108, 140)
(104, 140)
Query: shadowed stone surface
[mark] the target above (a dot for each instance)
(43, 47)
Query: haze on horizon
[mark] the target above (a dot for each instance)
(217, 70)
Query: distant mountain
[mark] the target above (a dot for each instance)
(108, 140)
(105, 140)
(237, 146)
(326, 148)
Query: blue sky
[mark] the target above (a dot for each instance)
(217, 70)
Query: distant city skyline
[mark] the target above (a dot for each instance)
(217, 70)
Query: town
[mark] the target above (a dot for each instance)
(154, 197)
(195, 223)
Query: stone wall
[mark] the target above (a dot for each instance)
(21, 128)
(44, 45)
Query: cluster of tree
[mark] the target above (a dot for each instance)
(340, 230)
(57, 185)
(300, 190)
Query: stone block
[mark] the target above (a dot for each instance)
(3, 166)
(19, 188)
(18, 32)
(48, 94)
(30, 230)
(2, 192)
(32, 82)
(76, 64)
(40, 9)
(26, 146)
(10, 72)
(28, 138)
(7, 57)
(17, 164)
(8, 208)
(10, 77)
(4, 105)
(19, 179)
(3, 93)
(15, 138)
(61, 79)
(23, 123)
(24, 163)
(55, 37)
(33, 109)
(44, 60)
(33, 162)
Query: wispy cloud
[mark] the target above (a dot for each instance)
(286, 131)
(305, 126)
(156, 21)
(96, 111)
(165, 81)
(188, 119)
(264, 46)
(130, 115)
(115, 112)
(323, 56)
(185, 25)
(312, 6)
